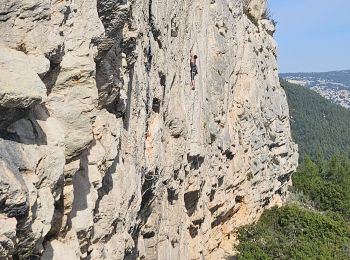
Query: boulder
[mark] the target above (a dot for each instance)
(56, 250)
(7, 235)
(20, 86)
(256, 7)
(13, 192)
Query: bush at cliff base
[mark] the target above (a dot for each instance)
(326, 183)
(295, 233)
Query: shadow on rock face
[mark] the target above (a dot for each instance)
(195, 161)
(24, 128)
(10, 115)
(115, 56)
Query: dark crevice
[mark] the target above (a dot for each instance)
(148, 103)
(285, 178)
(8, 133)
(212, 138)
(266, 201)
(108, 78)
(235, 186)
(275, 145)
(126, 116)
(40, 136)
(279, 192)
(153, 28)
(114, 15)
(173, 81)
(191, 200)
(147, 190)
(148, 235)
(148, 51)
(148, 195)
(222, 218)
(176, 174)
(57, 220)
(221, 181)
(195, 161)
(229, 155)
(193, 230)
(239, 199)
(24, 234)
(212, 195)
(198, 222)
(128, 47)
(156, 105)
(172, 195)
(9, 116)
(148, 54)
(112, 47)
(162, 78)
(107, 183)
(51, 76)
(22, 47)
(66, 14)
(215, 208)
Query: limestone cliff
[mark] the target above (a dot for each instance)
(107, 153)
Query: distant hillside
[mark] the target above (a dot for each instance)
(333, 85)
(317, 124)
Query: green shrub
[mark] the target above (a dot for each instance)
(295, 233)
(250, 17)
(326, 183)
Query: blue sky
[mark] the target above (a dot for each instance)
(312, 35)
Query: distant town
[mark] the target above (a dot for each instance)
(334, 85)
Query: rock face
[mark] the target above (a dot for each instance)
(107, 153)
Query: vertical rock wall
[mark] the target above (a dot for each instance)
(107, 153)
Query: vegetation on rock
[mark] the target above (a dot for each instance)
(326, 183)
(295, 233)
(318, 232)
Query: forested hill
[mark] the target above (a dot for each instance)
(317, 124)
